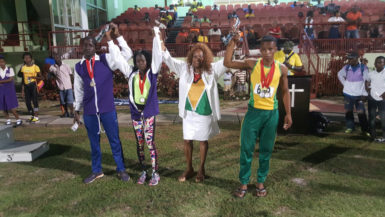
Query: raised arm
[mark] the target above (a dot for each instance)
(126, 50)
(115, 58)
(156, 51)
(283, 83)
(177, 66)
(236, 64)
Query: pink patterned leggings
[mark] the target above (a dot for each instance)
(145, 133)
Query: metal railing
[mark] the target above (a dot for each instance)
(70, 43)
(324, 43)
(20, 33)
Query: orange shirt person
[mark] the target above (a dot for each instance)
(353, 18)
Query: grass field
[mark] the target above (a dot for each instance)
(334, 175)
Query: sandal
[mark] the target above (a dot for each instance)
(200, 177)
(240, 193)
(260, 192)
(186, 175)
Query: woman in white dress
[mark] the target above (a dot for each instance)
(198, 101)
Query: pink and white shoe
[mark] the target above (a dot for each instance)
(154, 179)
(142, 178)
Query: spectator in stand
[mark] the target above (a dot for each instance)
(375, 86)
(300, 15)
(353, 18)
(215, 30)
(246, 10)
(168, 17)
(194, 3)
(294, 4)
(309, 24)
(136, 8)
(196, 19)
(146, 17)
(181, 3)
(331, 8)
(193, 9)
(251, 37)
(183, 33)
(334, 29)
(249, 13)
(205, 20)
(215, 8)
(200, 6)
(289, 58)
(202, 38)
(233, 15)
(194, 28)
(352, 77)
(275, 31)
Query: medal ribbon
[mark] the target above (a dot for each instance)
(89, 69)
(141, 83)
(265, 82)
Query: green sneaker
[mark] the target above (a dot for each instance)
(348, 130)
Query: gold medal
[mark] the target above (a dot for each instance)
(92, 84)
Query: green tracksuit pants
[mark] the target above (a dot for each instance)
(260, 124)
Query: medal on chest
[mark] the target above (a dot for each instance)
(90, 71)
(263, 89)
(141, 87)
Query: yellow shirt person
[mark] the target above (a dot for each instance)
(292, 58)
(203, 39)
(29, 72)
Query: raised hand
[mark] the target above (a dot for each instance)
(115, 29)
(236, 37)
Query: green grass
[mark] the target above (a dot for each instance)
(342, 176)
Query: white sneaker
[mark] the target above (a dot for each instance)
(18, 122)
(8, 122)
